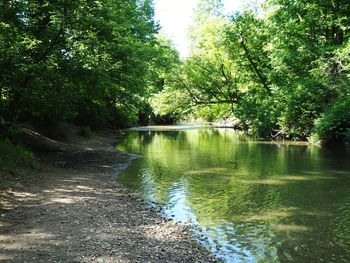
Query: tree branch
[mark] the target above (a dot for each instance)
(262, 78)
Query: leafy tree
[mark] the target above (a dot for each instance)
(81, 61)
(334, 123)
(302, 58)
(276, 72)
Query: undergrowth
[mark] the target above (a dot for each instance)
(15, 162)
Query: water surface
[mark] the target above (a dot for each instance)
(252, 201)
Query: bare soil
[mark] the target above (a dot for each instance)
(76, 212)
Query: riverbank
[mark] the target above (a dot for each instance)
(76, 212)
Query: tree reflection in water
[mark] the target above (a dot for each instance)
(253, 201)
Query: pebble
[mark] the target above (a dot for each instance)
(98, 219)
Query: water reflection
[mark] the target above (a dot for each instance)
(253, 201)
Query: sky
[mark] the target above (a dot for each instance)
(175, 16)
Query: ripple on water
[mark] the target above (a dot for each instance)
(250, 201)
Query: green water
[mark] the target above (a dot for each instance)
(251, 201)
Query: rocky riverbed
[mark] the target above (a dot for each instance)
(76, 212)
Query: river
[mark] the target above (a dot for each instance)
(250, 201)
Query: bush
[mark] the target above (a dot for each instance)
(300, 106)
(334, 124)
(14, 158)
(86, 131)
(55, 130)
(125, 116)
(7, 129)
(314, 138)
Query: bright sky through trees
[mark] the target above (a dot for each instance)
(175, 16)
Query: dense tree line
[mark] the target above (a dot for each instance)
(280, 72)
(86, 61)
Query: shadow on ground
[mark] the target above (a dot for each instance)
(78, 214)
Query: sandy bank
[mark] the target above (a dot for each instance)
(77, 213)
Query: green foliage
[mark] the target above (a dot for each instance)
(15, 158)
(277, 71)
(314, 138)
(85, 131)
(300, 106)
(125, 116)
(212, 113)
(170, 101)
(7, 129)
(257, 115)
(102, 63)
(76, 61)
(334, 124)
(165, 103)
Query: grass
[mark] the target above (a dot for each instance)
(15, 162)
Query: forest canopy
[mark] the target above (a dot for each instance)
(280, 71)
(88, 62)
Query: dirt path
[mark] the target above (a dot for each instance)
(76, 213)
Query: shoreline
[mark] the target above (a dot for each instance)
(79, 213)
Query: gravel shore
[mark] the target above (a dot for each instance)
(77, 213)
